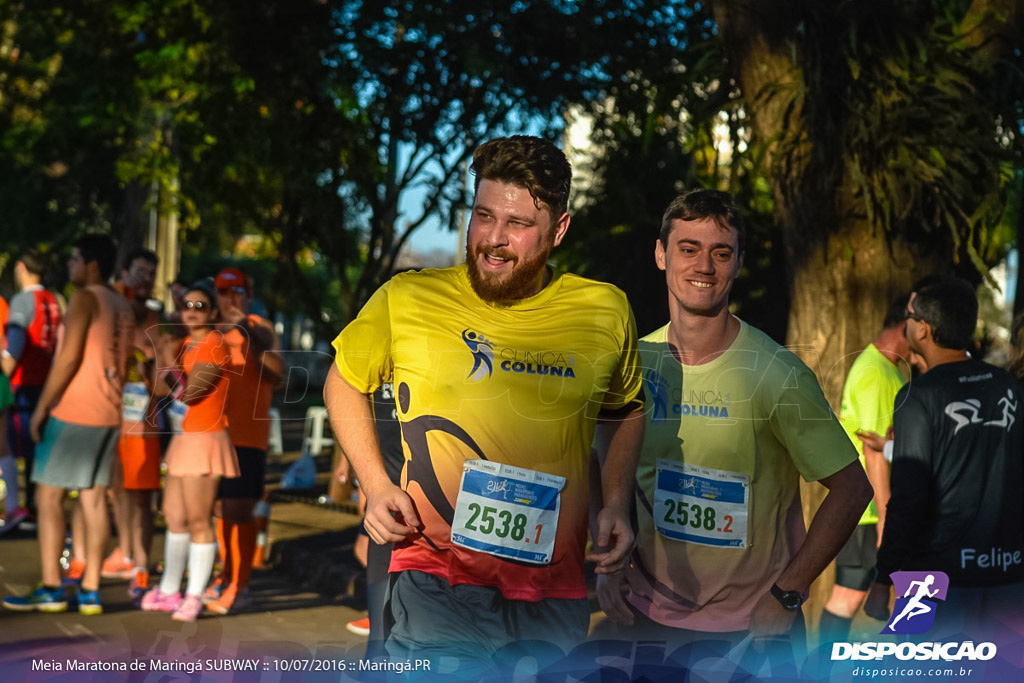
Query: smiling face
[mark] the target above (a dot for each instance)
(509, 241)
(701, 260)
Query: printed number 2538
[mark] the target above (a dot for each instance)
(501, 523)
(692, 514)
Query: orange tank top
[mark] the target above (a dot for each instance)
(93, 397)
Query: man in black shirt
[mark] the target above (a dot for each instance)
(957, 470)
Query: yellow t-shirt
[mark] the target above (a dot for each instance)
(869, 394)
(519, 384)
(718, 485)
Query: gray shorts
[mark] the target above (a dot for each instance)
(467, 631)
(855, 562)
(72, 456)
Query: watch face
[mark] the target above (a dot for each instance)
(791, 600)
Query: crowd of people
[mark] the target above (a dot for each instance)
(105, 390)
(541, 437)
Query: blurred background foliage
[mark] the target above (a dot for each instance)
(870, 142)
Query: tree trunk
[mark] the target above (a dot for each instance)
(843, 271)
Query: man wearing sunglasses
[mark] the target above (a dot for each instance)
(957, 472)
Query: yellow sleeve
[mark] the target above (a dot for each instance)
(363, 348)
(627, 380)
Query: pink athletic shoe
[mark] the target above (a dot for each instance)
(189, 610)
(155, 601)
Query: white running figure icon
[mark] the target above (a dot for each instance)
(914, 606)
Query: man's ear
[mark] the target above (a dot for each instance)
(561, 227)
(659, 254)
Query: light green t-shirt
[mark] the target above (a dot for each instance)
(718, 500)
(868, 397)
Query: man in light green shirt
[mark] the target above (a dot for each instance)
(868, 395)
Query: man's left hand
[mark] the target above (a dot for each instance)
(613, 543)
(770, 618)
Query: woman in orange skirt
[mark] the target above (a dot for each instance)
(197, 457)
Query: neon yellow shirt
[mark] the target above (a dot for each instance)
(868, 397)
(521, 385)
(718, 485)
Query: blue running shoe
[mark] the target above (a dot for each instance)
(42, 599)
(89, 602)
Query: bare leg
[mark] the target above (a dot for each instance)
(52, 526)
(120, 506)
(141, 525)
(97, 532)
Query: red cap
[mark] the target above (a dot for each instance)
(229, 278)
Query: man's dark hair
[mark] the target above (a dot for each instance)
(145, 254)
(695, 205)
(34, 261)
(896, 313)
(531, 163)
(950, 306)
(99, 248)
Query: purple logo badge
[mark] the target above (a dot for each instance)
(916, 596)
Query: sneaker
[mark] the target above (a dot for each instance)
(42, 599)
(139, 584)
(155, 601)
(13, 519)
(117, 566)
(361, 627)
(89, 602)
(214, 592)
(73, 574)
(230, 601)
(189, 610)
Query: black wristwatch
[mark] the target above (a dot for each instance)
(790, 600)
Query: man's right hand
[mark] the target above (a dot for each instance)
(611, 590)
(386, 510)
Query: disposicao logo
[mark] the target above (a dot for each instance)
(914, 612)
(918, 595)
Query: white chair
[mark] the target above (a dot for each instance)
(275, 445)
(313, 439)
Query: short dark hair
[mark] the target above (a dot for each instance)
(531, 163)
(34, 261)
(950, 306)
(897, 311)
(99, 248)
(695, 205)
(146, 255)
(206, 288)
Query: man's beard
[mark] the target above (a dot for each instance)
(518, 284)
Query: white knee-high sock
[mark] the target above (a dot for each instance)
(175, 556)
(201, 557)
(10, 473)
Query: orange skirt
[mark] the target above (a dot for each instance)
(194, 454)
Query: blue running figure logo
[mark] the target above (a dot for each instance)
(658, 388)
(914, 612)
(483, 355)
